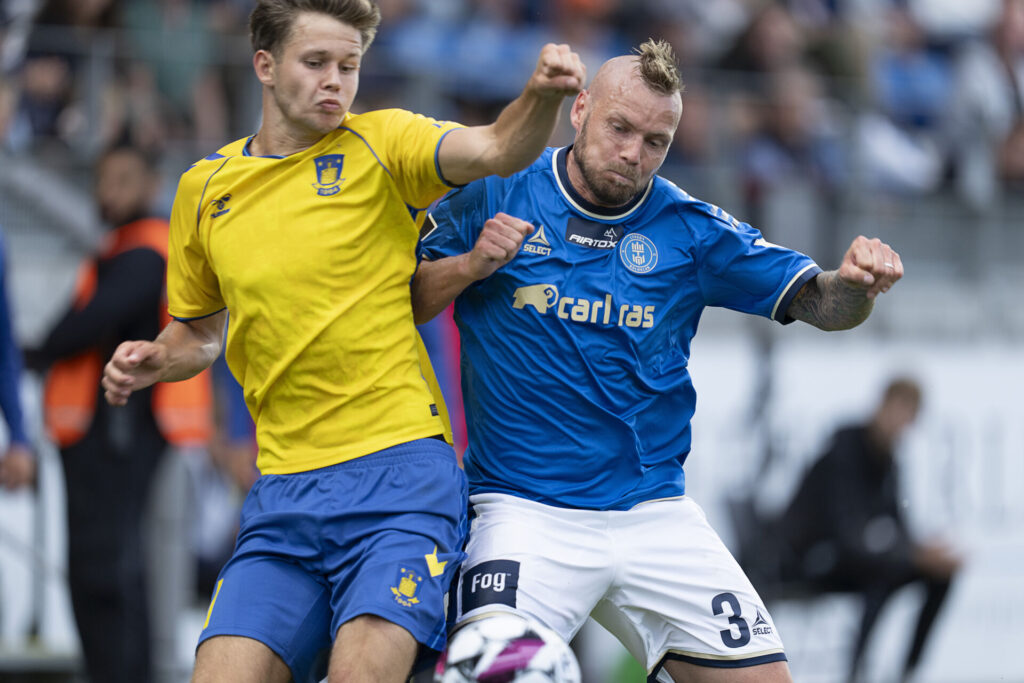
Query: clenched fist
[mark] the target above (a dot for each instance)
(559, 72)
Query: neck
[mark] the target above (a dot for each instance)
(270, 142)
(278, 136)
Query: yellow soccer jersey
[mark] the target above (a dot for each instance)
(312, 255)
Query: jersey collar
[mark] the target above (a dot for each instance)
(558, 163)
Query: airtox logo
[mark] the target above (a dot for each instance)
(592, 234)
(638, 253)
(541, 297)
(328, 174)
(408, 583)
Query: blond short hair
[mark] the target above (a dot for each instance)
(658, 67)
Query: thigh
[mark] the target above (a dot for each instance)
(272, 602)
(550, 563)
(234, 659)
(394, 542)
(680, 595)
(369, 648)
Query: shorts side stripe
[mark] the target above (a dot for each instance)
(213, 602)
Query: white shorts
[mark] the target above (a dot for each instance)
(657, 577)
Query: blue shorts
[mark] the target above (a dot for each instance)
(382, 534)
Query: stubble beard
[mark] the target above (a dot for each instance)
(606, 193)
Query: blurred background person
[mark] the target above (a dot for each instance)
(110, 455)
(987, 104)
(18, 464)
(792, 166)
(910, 80)
(845, 529)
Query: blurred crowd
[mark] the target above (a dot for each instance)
(791, 102)
(906, 97)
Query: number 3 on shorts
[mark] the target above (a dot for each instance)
(717, 608)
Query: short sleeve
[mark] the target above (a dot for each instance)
(742, 271)
(411, 143)
(454, 223)
(193, 290)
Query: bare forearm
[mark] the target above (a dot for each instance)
(504, 147)
(522, 130)
(436, 285)
(829, 303)
(191, 347)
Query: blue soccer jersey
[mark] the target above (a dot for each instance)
(574, 354)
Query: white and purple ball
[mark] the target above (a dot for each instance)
(506, 648)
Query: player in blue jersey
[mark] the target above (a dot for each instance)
(578, 285)
(302, 239)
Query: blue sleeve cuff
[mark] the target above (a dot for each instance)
(780, 312)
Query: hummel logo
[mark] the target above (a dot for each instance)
(538, 244)
(435, 567)
(219, 204)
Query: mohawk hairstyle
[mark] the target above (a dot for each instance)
(658, 67)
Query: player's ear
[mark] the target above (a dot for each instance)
(263, 65)
(579, 106)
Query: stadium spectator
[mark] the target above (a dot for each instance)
(67, 92)
(220, 482)
(175, 64)
(845, 530)
(771, 40)
(898, 138)
(110, 455)
(305, 233)
(794, 159)
(575, 335)
(987, 102)
(1011, 162)
(18, 463)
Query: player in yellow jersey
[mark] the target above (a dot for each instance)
(305, 233)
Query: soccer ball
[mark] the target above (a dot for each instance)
(506, 648)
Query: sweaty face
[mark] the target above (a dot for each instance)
(623, 135)
(124, 187)
(315, 74)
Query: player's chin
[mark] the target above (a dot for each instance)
(325, 122)
(616, 194)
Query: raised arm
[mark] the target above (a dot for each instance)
(437, 283)
(182, 350)
(523, 128)
(843, 298)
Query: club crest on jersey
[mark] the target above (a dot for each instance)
(408, 583)
(328, 174)
(638, 253)
(541, 297)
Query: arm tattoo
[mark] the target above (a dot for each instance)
(828, 303)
